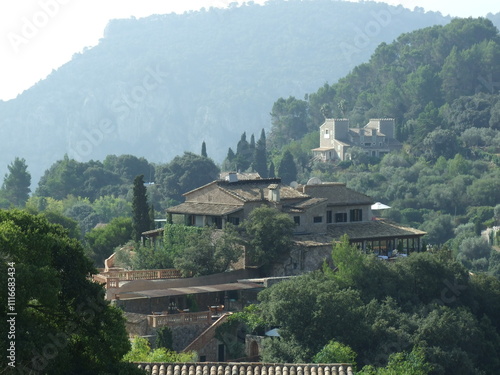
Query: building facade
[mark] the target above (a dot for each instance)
(321, 209)
(337, 138)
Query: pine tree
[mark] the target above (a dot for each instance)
(260, 156)
(16, 184)
(287, 169)
(204, 150)
(140, 209)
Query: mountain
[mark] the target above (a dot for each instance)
(161, 85)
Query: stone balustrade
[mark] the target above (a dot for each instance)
(113, 278)
(156, 321)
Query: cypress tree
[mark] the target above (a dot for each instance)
(287, 169)
(141, 221)
(243, 154)
(252, 141)
(272, 174)
(260, 156)
(204, 149)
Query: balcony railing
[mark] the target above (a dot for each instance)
(113, 278)
(156, 321)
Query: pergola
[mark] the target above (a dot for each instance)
(379, 236)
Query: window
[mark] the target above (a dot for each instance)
(217, 221)
(328, 217)
(234, 220)
(318, 219)
(356, 215)
(296, 220)
(341, 217)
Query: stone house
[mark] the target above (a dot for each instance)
(376, 138)
(328, 210)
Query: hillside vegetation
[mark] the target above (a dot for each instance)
(158, 86)
(441, 84)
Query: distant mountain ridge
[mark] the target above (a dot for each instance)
(160, 85)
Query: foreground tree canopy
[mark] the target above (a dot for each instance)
(63, 324)
(426, 302)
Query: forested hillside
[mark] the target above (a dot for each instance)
(159, 86)
(442, 85)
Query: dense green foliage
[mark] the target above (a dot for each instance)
(268, 235)
(182, 174)
(427, 301)
(403, 363)
(142, 352)
(63, 324)
(164, 338)
(101, 242)
(193, 250)
(209, 252)
(335, 352)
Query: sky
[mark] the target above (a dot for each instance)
(38, 36)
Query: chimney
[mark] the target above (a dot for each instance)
(274, 193)
(232, 177)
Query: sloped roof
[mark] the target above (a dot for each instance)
(338, 194)
(180, 291)
(241, 176)
(200, 208)
(376, 229)
(302, 206)
(243, 368)
(252, 190)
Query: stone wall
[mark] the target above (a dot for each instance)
(185, 335)
(302, 259)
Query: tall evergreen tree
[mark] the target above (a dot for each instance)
(140, 208)
(229, 163)
(204, 150)
(243, 154)
(16, 184)
(272, 174)
(287, 169)
(252, 141)
(260, 156)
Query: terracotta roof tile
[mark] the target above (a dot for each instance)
(236, 368)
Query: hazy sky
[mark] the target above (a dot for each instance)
(37, 36)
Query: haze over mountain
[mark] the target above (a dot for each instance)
(158, 86)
